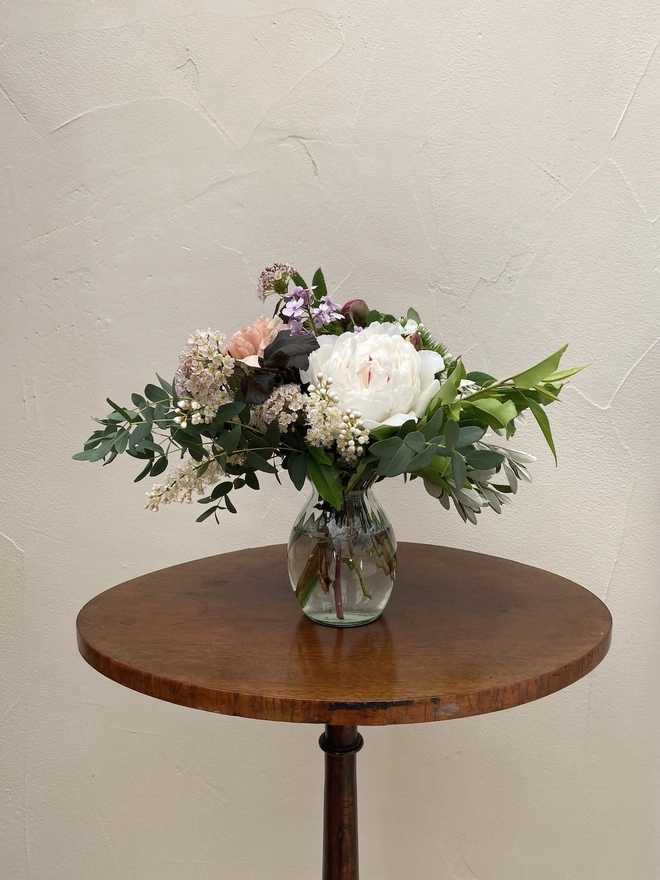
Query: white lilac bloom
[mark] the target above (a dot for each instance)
(377, 373)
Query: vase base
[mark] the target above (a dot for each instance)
(351, 618)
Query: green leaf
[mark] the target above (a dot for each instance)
(385, 449)
(374, 315)
(539, 372)
(398, 463)
(86, 455)
(230, 439)
(141, 432)
(319, 283)
(121, 441)
(413, 316)
(256, 462)
(449, 390)
(320, 455)
(121, 410)
(484, 459)
(432, 428)
(452, 433)
(229, 504)
(143, 473)
(407, 428)
(299, 280)
(424, 458)
(273, 433)
(297, 468)
(166, 386)
(384, 432)
(151, 446)
(459, 469)
(415, 440)
(159, 466)
(560, 375)
(469, 435)
(221, 489)
(503, 411)
(206, 514)
(139, 401)
(544, 424)
(326, 480)
(252, 480)
(156, 394)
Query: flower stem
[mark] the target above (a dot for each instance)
(336, 585)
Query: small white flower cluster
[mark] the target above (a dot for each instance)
(328, 424)
(284, 404)
(274, 278)
(352, 438)
(197, 413)
(204, 368)
(183, 483)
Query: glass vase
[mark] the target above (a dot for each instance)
(342, 562)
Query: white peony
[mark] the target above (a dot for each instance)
(377, 373)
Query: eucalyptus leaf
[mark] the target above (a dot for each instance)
(452, 433)
(156, 394)
(483, 459)
(206, 514)
(458, 469)
(424, 458)
(415, 441)
(398, 463)
(469, 435)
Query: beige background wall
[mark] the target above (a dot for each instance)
(494, 163)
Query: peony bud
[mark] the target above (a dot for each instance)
(356, 310)
(416, 340)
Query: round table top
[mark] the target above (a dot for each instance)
(463, 634)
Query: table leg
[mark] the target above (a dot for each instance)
(340, 743)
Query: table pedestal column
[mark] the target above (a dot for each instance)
(340, 834)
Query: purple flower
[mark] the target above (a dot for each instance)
(295, 308)
(296, 327)
(305, 295)
(326, 312)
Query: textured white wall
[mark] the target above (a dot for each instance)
(493, 162)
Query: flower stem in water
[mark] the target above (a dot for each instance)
(339, 605)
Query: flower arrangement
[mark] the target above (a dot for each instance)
(342, 396)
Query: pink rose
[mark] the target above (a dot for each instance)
(248, 344)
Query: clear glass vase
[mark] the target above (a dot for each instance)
(342, 562)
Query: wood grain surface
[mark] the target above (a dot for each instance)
(463, 634)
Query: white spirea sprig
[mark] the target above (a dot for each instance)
(284, 405)
(196, 413)
(329, 424)
(204, 368)
(183, 483)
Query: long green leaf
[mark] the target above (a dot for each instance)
(326, 481)
(503, 411)
(544, 424)
(560, 375)
(449, 390)
(539, 372)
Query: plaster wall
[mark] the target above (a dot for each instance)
(494, 163)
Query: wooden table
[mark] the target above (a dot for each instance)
(463, 634)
